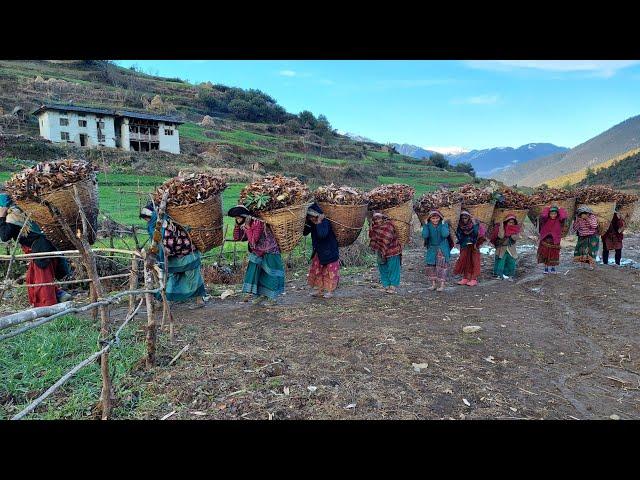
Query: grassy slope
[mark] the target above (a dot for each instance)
(576, 177)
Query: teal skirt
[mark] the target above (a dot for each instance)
(265, 275)
(184, 280)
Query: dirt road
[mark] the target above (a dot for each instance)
(551, 347)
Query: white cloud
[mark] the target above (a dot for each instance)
(600, 68)
(477, 100)
(287, 73)
(414, 83)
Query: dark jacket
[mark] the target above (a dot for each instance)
(472, 238)
(323, 239)
(38, 244)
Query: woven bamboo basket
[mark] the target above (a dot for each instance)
(451, 213)
(346, 221)
(482, 212)
(569, 205)
(287, 224)
(604, 211)
(401, 218)
(202, 221)
(62, 199)
(626, 211)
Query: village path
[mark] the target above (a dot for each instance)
(565, 346)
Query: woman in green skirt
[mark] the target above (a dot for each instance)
(264, 278)
(586, 227)
(184, 279)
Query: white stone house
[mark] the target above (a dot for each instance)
(93, 127)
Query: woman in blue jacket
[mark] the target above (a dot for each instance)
(324, 273)
(436, 238)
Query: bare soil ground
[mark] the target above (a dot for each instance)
(551, 347)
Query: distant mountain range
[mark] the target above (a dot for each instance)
(492, 160)
(619, 139)
(488, 161)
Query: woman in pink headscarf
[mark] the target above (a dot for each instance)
(552, 221)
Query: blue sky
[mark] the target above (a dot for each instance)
(467, 104)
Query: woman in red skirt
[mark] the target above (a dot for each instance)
(552, 221)
(324, 273)
(470, 234)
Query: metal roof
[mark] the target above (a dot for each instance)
(104, 111)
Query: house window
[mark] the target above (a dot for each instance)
(100, 125)
(101, 138)
(64, 122)
(168, 131)
(81, 114)
(64, 136)
(82, 123)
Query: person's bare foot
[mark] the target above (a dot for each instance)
(440, 288)
(328, 294)
(391, 290)
(316, 293)
(432, 287)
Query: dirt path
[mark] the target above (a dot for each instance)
(559, 347)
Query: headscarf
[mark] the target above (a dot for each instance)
(511, 229)
(468, 228)
(238, 211)
(584, 209)
(433, 212)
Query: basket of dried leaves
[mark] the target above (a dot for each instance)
(53, 183)
(346, 209)
(601, 199)
(282, 203)
(478, 202)
(396, 202)
(195, 203)
(448, 202)
(547, 197)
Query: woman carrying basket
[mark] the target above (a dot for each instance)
(612, 239)
(586, 226)
(470, 234)
(184, 279)
(552, 221)
(383, 239)
(436, 238)
(265, 272)
(324, 273)
(32, 240)
(504, 236)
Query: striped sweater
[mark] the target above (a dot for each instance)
(586, 227)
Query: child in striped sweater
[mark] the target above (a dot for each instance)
(586, 227)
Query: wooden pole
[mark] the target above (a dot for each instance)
(149, 261)
(88, 259)
(133, 283)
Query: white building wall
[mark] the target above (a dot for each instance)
(124, 135)
(169, 143)
(51, 129)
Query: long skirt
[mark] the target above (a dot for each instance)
(390, 272)
(586, 249)
(265, 275)
(439, 271)
(549, 254)
(324, 277)
(184, 280)
(505, 265)
(44, 296)
(469, 263)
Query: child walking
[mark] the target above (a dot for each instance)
(504, 237)
(436, 238)
(612, 239)
(552, 220)
(383, 239)
(586, 226)
(470, 234)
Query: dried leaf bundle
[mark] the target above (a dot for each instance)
(189, 189)
(438, 199)
(473, 195)
(340, 195)
(508, 198)
(548, 195)
(48, 176)
(391, 195)
(273, 192)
